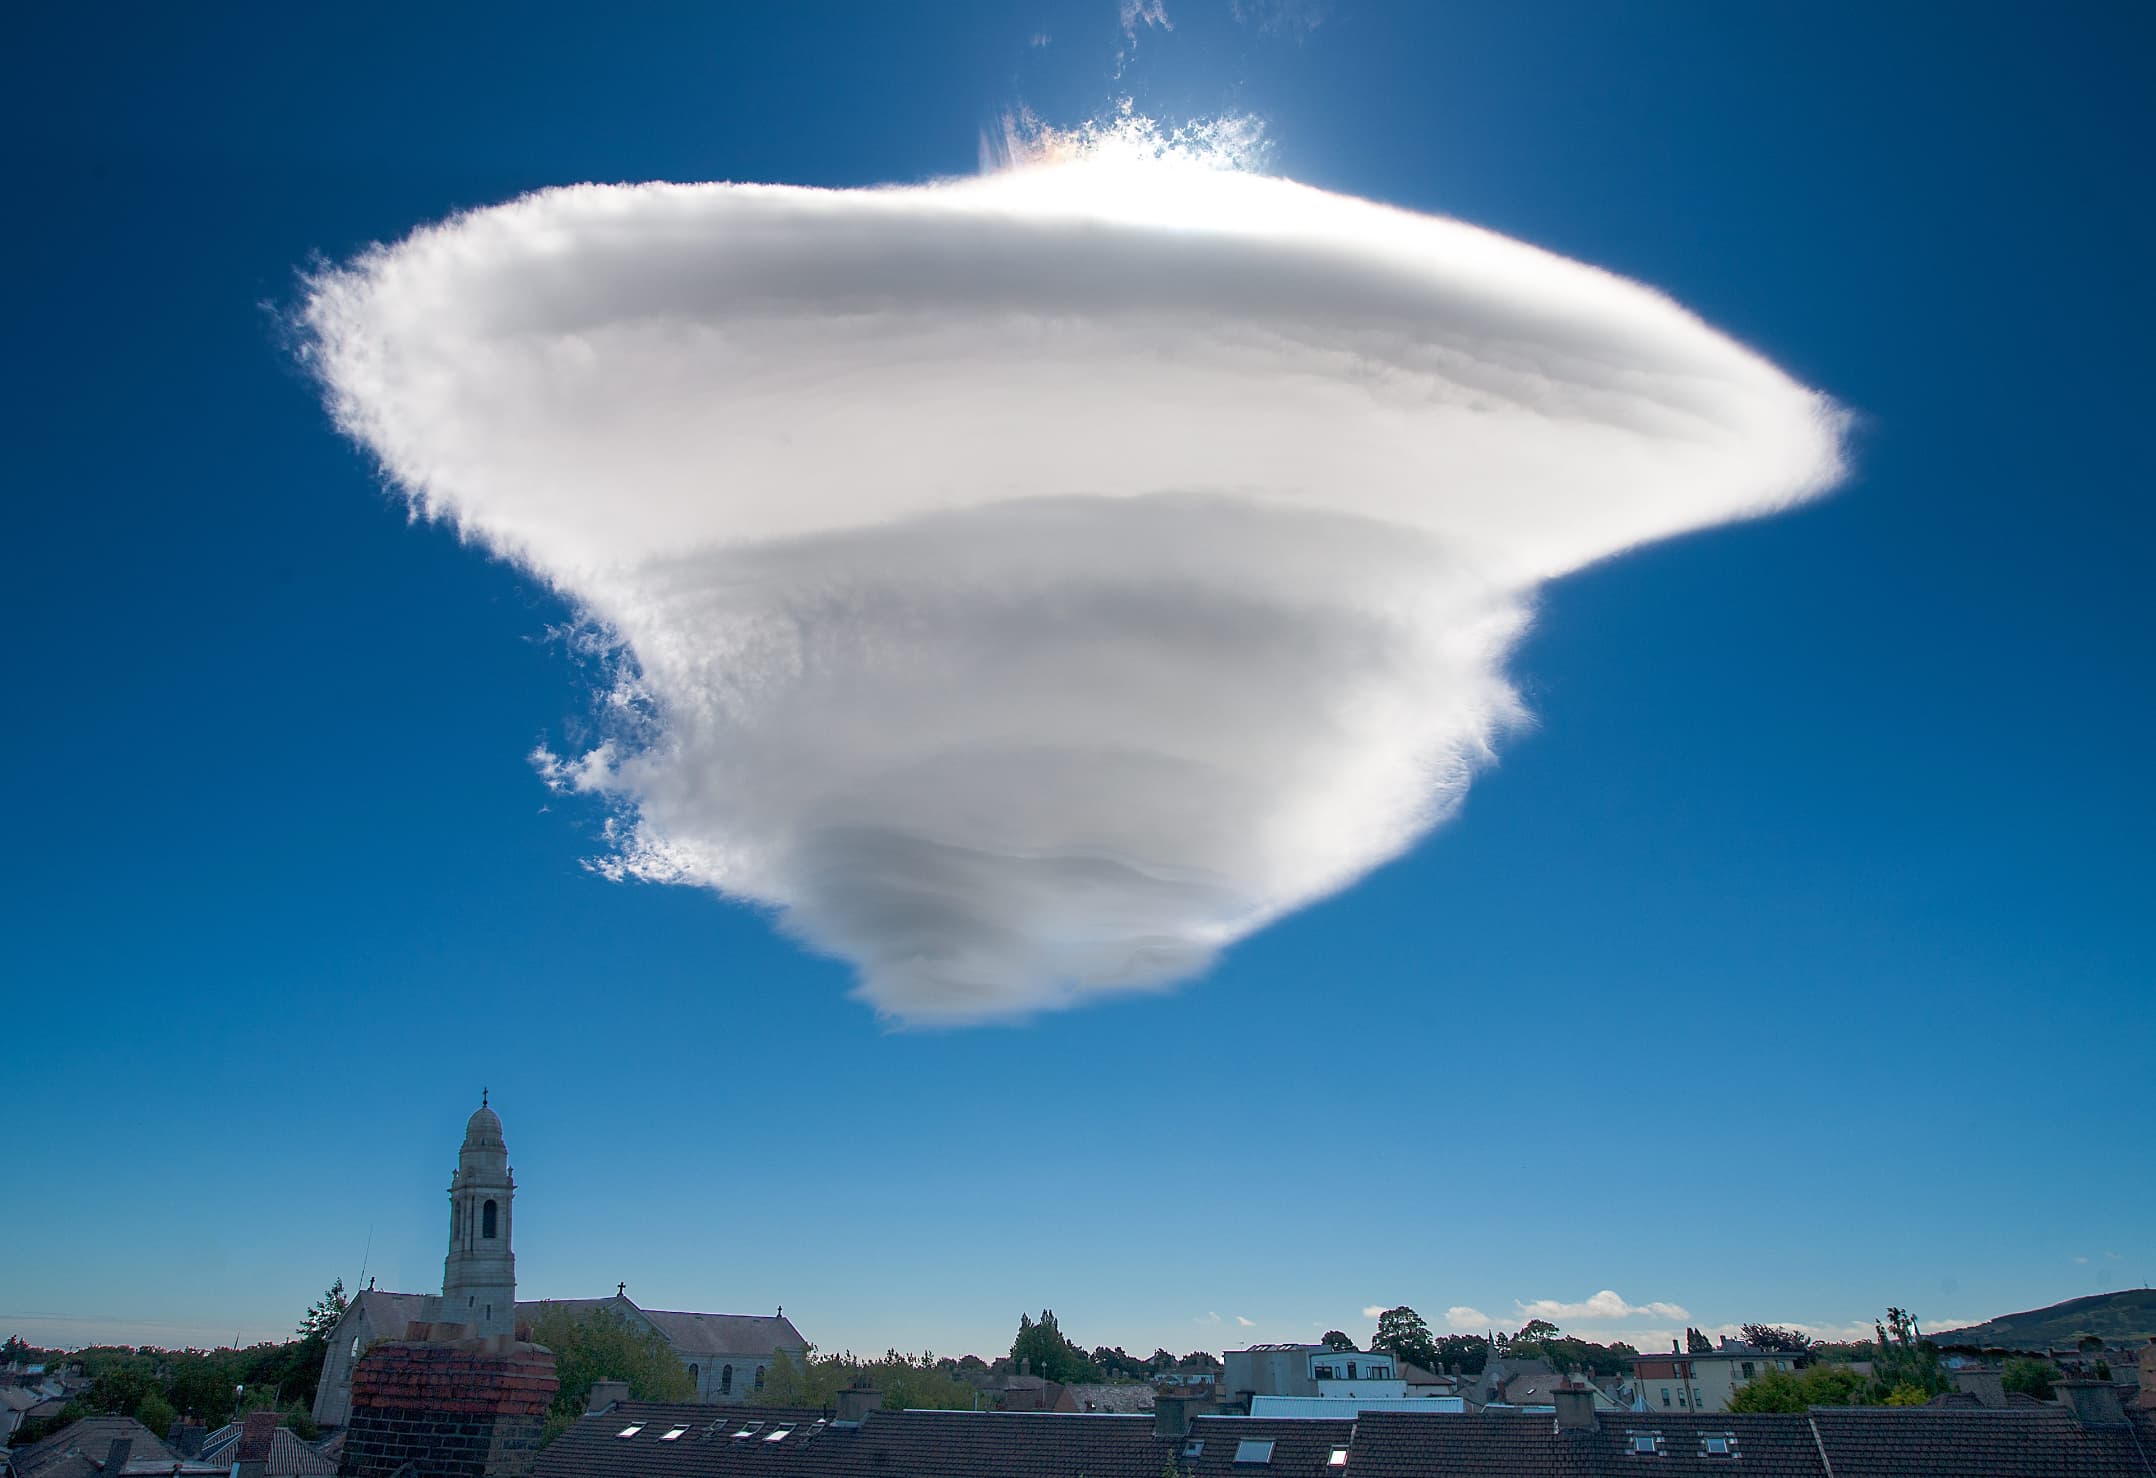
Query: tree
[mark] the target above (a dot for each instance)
(1901, 1356)
(1052, 1356)
(1794, 1391)
(322, 1315)
(1402, 1334)
(1335, 1340)
(157, 1414)
(1696, 1343)
(1772, 1337)
(2030, 1377)
(1907, 1394)
(601, 1344)
(1471, 1352)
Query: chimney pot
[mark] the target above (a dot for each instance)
(1987, 1386)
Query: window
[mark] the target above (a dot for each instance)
(630, 1430)
(1698, 1401)
(759, 1377)
(726, 1380)
(1644, 1446)
(1665, 1395)
(486, 1220)
(692, 1374)
(672, 1436)
(1323, 1372)
(779, 1434)
(1338, 1459)
(1747, 1368)
(1194, 1447)
(1254, 1450)
(1718, 1446)
(748, 1429)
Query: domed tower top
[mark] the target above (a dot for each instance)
(479, 1278)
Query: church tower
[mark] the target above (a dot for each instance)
(479, 1278)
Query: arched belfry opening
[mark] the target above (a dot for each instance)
(487, 1216)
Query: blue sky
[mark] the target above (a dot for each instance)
(1795, 962)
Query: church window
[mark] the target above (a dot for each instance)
(486, 1220)
(726, 1380)
(692, 1374)
(759, 1377)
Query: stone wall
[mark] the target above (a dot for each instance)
(471, 1408)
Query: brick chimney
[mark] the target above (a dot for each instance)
(2094, 1403)
(1987, 1386)
(1575, 1407)
(258, 1432)
(1172, 1413)
(116, 1455)
(606, 1393)
(855, 1404)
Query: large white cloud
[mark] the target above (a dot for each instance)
(1030, 584)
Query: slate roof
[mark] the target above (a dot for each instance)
(289, 1457)
(80, 1448)
(593, 1444)
(1836, 1442)
(725, 1334)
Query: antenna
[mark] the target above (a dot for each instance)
(361, 1281)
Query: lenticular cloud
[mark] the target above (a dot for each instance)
(1028, 585)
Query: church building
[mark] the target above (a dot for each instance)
(726, 1355)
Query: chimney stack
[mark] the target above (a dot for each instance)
(855, 1404)
(1987, 1386)
(257, 1434)
(1172, 1414)
(1575, 1407)
(606, 1393)
(116, 1455)
(2094, 1403)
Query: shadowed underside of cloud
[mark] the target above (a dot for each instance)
(1028, 585)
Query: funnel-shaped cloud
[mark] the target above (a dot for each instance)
(1030, 584)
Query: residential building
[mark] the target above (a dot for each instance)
(1318, 1370)
(1705, 1380)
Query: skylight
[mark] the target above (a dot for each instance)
(1643, 1444)
(631, 1430)
(1719, 1446)
(674, 1435)
(749, 1430)
(1254, 1450)
(1338, 1459)
(1194, 1447)
(780, 1435)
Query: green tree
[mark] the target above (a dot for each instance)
(1794, 1391)
(1901, 1356)
(598, 1345)
(157, 1414)
(2030, 1377)
(1402, 1334)
(1772, 1337)
(1335, 1340)
(1907, 1394)
(1052, 1356)
(1471, 1352)
(322, 1315)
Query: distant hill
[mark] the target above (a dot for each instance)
(2129, 1314)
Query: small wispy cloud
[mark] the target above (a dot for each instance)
(1371, 1311)
(1206, 1320)
(1465, 1319)
(1146, 13)
(1246, 1323)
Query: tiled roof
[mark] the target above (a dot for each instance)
(81, 1447)
(289, 1457)
(1919, 1442)
(706, 1448)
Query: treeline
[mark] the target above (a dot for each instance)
(157, 1387)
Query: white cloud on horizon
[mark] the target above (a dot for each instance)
(1600, 1308)
(1028, 586)
(1371, 1311)
(1465, 1319)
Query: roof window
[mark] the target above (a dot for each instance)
(1718, 1445)
(1646, 1445)
(748, 1429)
(1254, 1450)
(674, 1435)
(1194, 1447)
(1338, 1459)
(630, 1430)
(779, 1434)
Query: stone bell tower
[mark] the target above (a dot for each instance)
(479, 1278)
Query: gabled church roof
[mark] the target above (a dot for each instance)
(724, 1334)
